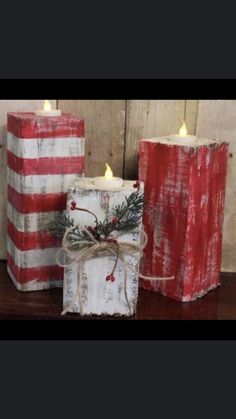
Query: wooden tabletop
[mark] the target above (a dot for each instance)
(217, 304)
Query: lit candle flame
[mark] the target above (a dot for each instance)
(47, 106)
(108, 172)
(183, 130)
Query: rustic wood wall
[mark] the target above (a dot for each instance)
(113, 130)
(105, 132)
(9, 106)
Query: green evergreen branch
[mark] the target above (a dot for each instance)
(58, 227)
(129, 212)
(126, 216)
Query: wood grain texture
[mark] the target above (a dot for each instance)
(104, 133)
(5, 107)
(184, 196)
(36, 185)
(217, 119)
(153, 118)
(92, 293)
(191, 115)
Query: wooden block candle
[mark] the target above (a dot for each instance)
(185, 181)
(45, 155)
(98, 292)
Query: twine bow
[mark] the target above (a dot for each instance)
(105, 247)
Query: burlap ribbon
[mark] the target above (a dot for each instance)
(93, 248)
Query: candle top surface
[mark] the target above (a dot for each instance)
(29, 116)
(87, 183)
(29, 125)
(187, 141)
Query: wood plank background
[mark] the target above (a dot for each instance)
(113, 130)
(105, 132)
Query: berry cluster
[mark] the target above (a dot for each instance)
(111, 277)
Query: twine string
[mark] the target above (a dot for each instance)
(95, 248)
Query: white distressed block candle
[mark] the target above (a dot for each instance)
(98, 296)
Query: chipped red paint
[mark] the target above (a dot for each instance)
(45, 202)
(45, 165)
(31, 240)
(39, 274)
(27, 125)
(183, 216)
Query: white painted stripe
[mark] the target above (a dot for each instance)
(35, 148)
(40, 184)
(31, 258)
(30, 222)
(34, 285)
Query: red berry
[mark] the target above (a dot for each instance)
(111, 240)
(113, 278)
(136, 184)
(115, 220)
(73, 205)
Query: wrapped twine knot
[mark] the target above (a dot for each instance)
(105, 247)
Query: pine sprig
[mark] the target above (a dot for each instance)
(58, 227)
(59, 224)
(129, 212)
(126, 217)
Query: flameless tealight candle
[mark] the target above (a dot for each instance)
(182, 136)
(47, 110)
(108, 182)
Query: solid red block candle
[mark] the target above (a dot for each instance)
(44, 156)
(183, 215)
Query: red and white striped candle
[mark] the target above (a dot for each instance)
(183, 214)
(44, 155)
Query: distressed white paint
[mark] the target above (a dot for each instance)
(217, 119)
(98, 295)
(35, 285)
(39, 184)
(30, 222)
(32, 258)
(34, 148)
(5, 107)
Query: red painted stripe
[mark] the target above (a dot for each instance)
(46, 165)
(27, 125)
(41, 274)
(37, 202)
(31, 240)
